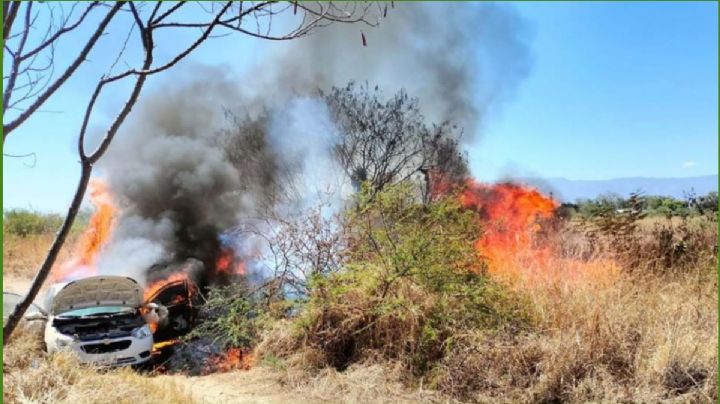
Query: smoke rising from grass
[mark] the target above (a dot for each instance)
(180, 184)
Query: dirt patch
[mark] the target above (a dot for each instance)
(257, 385)
(265, 385)
(16, 283)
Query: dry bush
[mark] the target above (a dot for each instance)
(641, 331)
(411, 282)
(31, 376)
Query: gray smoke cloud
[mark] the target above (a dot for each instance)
(181, 182)
(460, 60)
(176, 188)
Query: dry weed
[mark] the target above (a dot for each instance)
(30, 376)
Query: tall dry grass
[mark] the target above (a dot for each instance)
(31, 376)
(616, 333)
(646, 339)
(640, 326)
(640, 339)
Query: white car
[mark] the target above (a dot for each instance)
(99, 319)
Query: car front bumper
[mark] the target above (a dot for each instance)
(114, 352)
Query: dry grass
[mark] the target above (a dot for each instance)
(639, 340)
(654, 244)
(616, 334)
(30, 376)
(22, 256)
(361, 383)
(647, 336)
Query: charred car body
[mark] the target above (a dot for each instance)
(176, 304)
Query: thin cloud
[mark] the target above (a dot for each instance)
(689, 164)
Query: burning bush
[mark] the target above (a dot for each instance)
(228, 327)
(412, 281)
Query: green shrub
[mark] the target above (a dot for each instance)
(412, 281)
(230, 318)
(23, 222)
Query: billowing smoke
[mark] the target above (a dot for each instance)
(188, 172)
(176, 188)
(459, 60)
(183, 180)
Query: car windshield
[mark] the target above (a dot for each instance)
(97, 311)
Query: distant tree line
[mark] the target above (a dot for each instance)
(650, 205)
(27, 222)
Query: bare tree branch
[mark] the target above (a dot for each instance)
(9, 20)
(318, 16)
(52, 39)
(16, 63)
(143, 73)
(22, 156)
(7, 129)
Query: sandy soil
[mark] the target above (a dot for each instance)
(254, 386)
(16, 284)
(20, 285)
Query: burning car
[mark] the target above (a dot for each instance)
(176, 302)
(99, 318)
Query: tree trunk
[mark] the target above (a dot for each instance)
(47, 265)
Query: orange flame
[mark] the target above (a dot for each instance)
(98, 232)
(226, 265)
(154, 287)
(233, 359)
(514, 219)
(512, 213)
(158, 346)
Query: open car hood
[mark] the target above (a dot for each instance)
(98, 291)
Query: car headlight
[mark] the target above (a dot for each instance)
(62, 341)
(141, 332)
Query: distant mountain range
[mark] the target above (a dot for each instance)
(571, 190)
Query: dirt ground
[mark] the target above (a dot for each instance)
(16, 284)
(265, 385)
(254, 386)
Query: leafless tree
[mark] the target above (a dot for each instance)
(383, 141)
(300, 248)
(33, 31)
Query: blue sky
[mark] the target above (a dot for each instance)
(615, 90)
